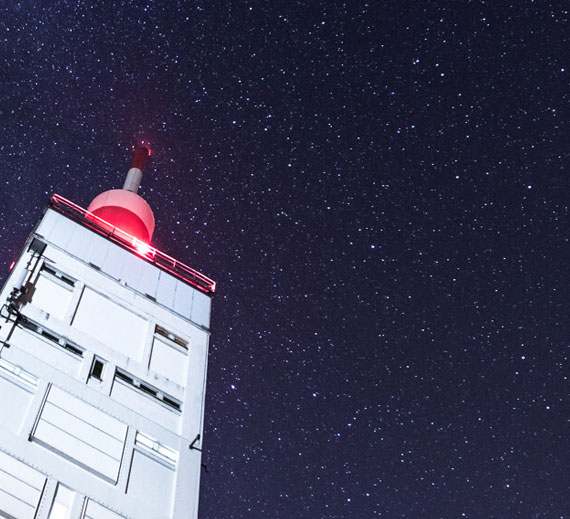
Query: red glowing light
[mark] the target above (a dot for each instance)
(144, 249)
(147, 146)
(12, 265)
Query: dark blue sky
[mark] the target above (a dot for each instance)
(381, 192)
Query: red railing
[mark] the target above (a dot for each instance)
(125, 240)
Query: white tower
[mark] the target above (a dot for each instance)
(103, 354)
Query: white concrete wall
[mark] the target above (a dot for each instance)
(76, 432)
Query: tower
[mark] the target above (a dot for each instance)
(103, 355)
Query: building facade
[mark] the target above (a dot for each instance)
(103, 355)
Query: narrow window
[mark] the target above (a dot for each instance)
(148, 390)
(97, 369)
(156, 448)
(27, 324)
(17, 373)
(61, 507)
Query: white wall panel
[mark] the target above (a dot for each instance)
(47, 223)
(131, 270)
(20, 488)
(201, 309)
(169, 361)
(94, 510)
(147, 280)
(42, 349)
(81, 432)
(183, 299)
(62, 232)
(114, 260)
(14, 404)
(79, 242)
(51, 296)
(145, 405)
(98, 250)
(166, 289)
(111, 324)
(151, 482)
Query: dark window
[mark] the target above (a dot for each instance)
(159, 330)
(97, 369)
(153, 392)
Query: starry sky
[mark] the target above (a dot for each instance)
(380, 190)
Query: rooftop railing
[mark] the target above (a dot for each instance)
(129, 242)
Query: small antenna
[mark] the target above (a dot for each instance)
(134, 176)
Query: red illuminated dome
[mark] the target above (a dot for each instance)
(123, 208)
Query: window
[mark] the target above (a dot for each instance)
(97, 369)
(62, 503)
(169, 356)
(96, 372)
(18, 374)
(147, 389)
(111, 324)
(48, 269)
(55, 339)
(159, 330)
(149, 444)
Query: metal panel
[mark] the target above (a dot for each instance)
(201, 309)
(98, 250)
(20, 488)
(131, 269)
(62, 232)
(166, 289)
(47, 224)
(148, 279)
(79, 242)
(113, 263)
(183, 299)
(14, 405)
(81, 432)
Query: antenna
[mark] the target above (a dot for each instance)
(134, 176)
(124, 208)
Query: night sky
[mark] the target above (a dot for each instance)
(380, 191)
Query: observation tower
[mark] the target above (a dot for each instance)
(103, 356)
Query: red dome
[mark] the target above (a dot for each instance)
(125, 210)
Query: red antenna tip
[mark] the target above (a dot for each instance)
(140, 157)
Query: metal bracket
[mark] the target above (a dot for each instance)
(194, 441)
